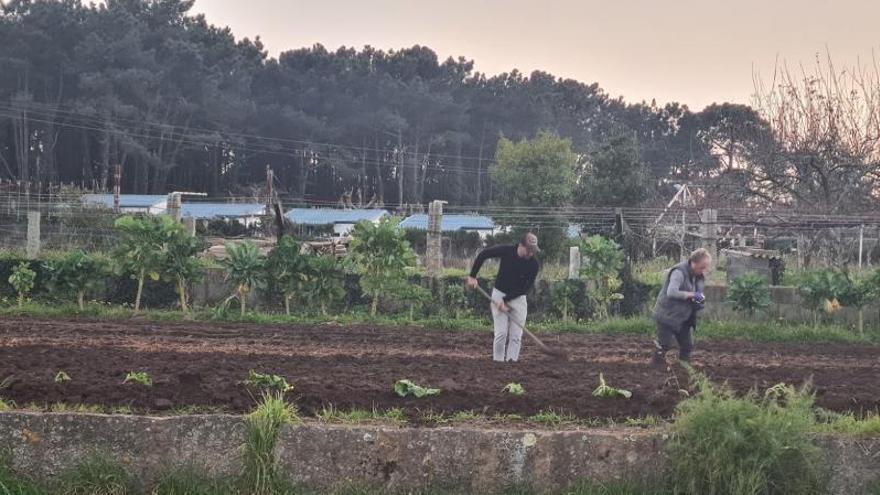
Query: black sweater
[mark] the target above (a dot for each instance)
(515, 275)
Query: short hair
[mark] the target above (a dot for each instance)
(700, 255)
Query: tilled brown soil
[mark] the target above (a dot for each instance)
(203, 364)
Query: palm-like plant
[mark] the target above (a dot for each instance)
(246, 269)
(324, 281)
(288, 266)
(179, 260)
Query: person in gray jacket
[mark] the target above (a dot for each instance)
(678, 303)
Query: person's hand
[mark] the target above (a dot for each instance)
(502, 306)
(471, 283)
(699, 297)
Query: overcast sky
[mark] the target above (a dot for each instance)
(691, 51)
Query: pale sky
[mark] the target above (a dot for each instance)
(691, 51)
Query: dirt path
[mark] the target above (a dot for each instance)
(203, 364)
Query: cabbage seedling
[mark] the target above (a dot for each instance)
(514, 389)
(139, 377)
(603, 390)
(404, 388)
(62, 377)
(268, 381)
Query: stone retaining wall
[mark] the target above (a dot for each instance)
(323, 456)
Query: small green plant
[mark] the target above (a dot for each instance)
(22, 280)
(97, 475)
(246, 269)
(749, 293)
(76, 272)
(261, 475)
(139, 378)
(608, 392)
(324, 284)
(15, 483)
(405, 388)
(514, 389)
(274, 382)
(62, 377)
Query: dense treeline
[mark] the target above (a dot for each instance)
(183, 105)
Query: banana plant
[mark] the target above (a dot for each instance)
(139, 251)
(180, 263)
(324, 281)
(289, 268)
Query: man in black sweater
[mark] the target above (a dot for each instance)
(516, 275)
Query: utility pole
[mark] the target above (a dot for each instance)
(861, 243)
(270, 188)
(434, 251)
(117, 187)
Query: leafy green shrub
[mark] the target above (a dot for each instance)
(22, 280)
(412, 296)
(564, 297)
(749, 293)
(76, 272)
(324, 281)
(821, 291)
(859, 293)
(601, 262)
(380, 254)
(724, 444)
(288, 269)
(454, 299)
(246, 269)
(15, 483)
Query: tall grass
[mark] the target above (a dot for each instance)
(14, 483)
(751, 445)
(261, 476)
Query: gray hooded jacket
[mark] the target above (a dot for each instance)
(673, 306)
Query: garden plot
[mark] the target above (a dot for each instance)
(206, 365)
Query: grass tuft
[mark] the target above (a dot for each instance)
(191, 480)
(756, 444)
(96, 475)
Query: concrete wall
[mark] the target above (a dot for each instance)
(479, 460)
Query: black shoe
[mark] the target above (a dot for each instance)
(659, 360)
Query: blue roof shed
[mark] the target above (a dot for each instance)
(331, 216)
(450, 223)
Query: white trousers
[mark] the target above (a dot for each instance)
(508, 334)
